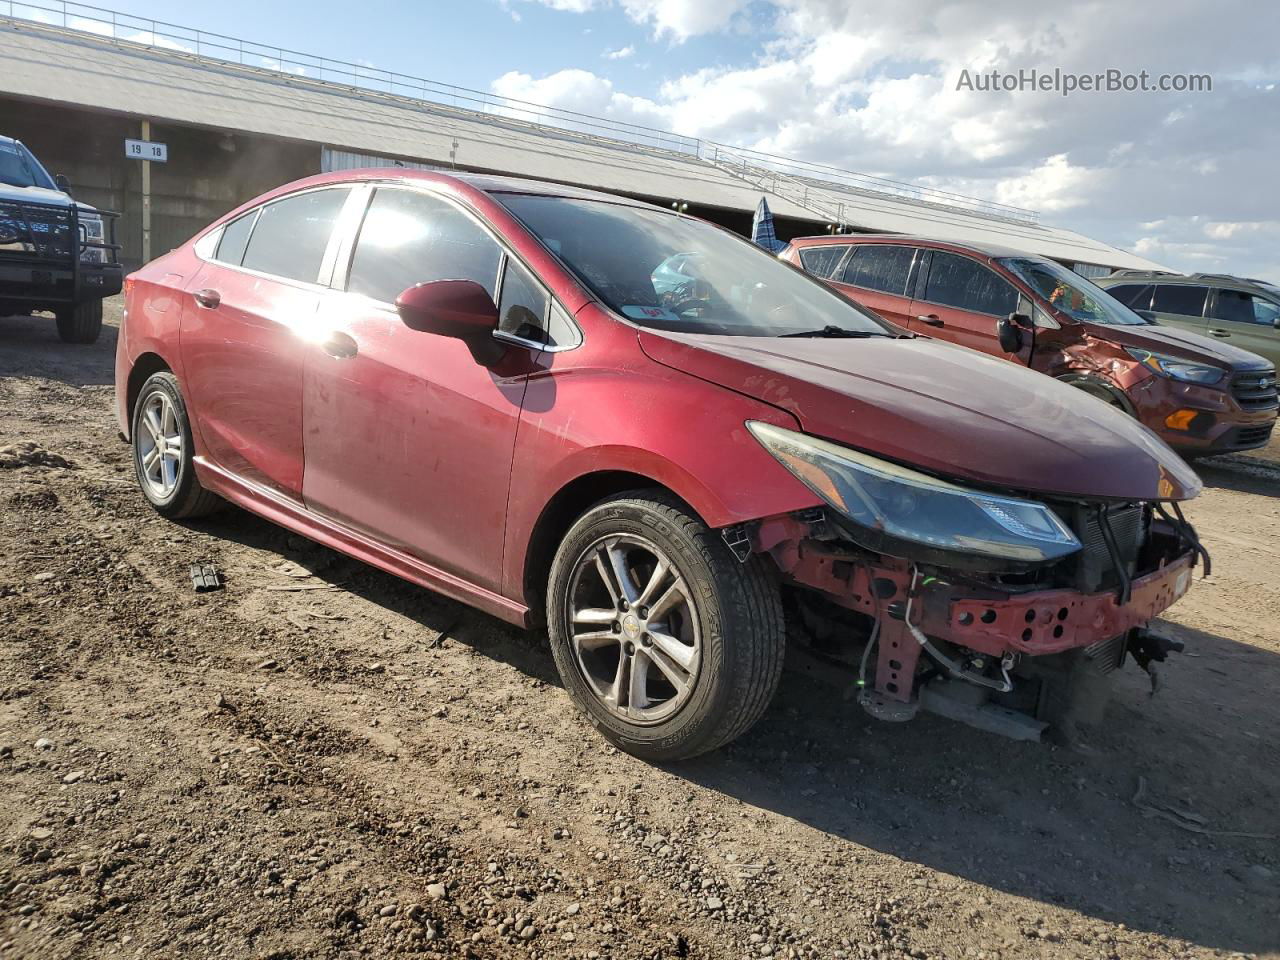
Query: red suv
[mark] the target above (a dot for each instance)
(548, 402)
(1199, 394)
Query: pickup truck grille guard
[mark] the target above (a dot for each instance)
(47, 244)
(972, 630)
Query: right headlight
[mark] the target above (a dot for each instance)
(916, 510)
(1175, 368)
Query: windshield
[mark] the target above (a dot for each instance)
(1071, 293)
(675, 273)
(18, 168)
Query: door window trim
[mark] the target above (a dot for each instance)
(345, 256)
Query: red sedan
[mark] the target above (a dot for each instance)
(552, 403)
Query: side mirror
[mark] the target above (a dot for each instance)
(461, 309)
(62, 183)
(1009, 331)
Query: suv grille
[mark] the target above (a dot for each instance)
(1247, 438)
(1256, 389)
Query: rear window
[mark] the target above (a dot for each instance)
(291, 235)
(1180, 299)
(879, 267)
(965, 284)
(822, 261)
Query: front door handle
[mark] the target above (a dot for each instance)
(209, 299)
(339, 346)
(932, 319)
(1220, 333)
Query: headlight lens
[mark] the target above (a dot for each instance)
(91, 229)
(1174, 368)
(915, 507)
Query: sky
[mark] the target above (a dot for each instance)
(1188, 179)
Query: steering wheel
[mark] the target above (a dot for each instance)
(689, 303)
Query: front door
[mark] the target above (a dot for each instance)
(1247, 320)
(246, 314)
(408, 439)
(962, 301)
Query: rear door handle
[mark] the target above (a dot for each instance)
(209, 299)
(1219, 332)
(932, 319)
(339, 346)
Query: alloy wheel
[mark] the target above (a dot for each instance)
(634, 628)
(160, 445)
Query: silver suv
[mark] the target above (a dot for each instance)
(1243, 311)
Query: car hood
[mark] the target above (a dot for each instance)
(943, 409)
(1181, 343)
(35, 194)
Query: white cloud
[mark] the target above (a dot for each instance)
(622, 53)
(864, 87)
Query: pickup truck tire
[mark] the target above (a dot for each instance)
(174, 491)
(80, 323)
(702, 631)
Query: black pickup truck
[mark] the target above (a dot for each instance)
(55, 254)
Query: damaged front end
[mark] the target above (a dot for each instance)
(1003, 612)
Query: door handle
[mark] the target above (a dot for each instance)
(932, 319)
(339, 346)
(209, 299)
(1220, 333)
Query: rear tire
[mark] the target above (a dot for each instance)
(705, 631)
(80, 323)
(163, 451)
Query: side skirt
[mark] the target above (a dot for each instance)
(293, 516)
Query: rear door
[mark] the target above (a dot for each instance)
(1247, 319)
(961, 300)
(408, 439)
(877, 275)
(247, 313)
(1180, 305)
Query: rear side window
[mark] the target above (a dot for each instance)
(965, 284)
(821, 261)
(1187, 301)
(291, 235)
(411, 237)
(879, 267)
(1136, 296)
(235, 237)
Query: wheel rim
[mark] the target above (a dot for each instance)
(160, 445)
(634, 628)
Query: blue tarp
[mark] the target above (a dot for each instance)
(762, 228)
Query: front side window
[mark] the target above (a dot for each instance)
(1135, 296)
(291, 235)
(965, 284)
(1240, 307)
(1073, 295)
(822, 261)
(523, 309)
(879, 267)
(1179, 299)
(628, 257)
(411, 237)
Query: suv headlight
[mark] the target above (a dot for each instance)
(916, 509)
(1174, 368)
(92, 229)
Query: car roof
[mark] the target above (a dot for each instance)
(982, 249)
(1196, 279)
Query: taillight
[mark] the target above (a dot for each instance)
(128, 286)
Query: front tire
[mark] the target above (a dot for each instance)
(79, 323)
(163, 451)
(670, 646)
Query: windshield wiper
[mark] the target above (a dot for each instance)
(834, 332)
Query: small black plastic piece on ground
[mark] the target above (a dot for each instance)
(205, 578)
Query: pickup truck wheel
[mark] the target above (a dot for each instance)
(668, 643)
(80, 323)
(163, 449)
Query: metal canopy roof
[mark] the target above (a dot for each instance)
(79, 69)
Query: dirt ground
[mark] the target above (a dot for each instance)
(322, 761)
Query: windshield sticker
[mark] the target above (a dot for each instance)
(637, 312)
